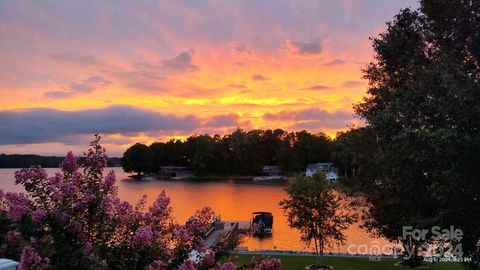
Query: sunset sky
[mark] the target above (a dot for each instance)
(140, 71)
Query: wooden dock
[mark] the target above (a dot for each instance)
(227, 228)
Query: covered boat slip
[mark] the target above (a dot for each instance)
(262, 223)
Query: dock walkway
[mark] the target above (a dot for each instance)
(227, 228)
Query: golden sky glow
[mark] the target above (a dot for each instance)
(172, 69)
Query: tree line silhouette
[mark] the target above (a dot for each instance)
(238, 153)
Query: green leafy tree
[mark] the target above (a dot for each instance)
(319, 211)
(352, 150)
(423, 113)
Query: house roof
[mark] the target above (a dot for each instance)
(319, 165)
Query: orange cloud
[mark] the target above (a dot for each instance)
(277, 65)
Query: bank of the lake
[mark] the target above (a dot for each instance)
(154, 177)
(232, 199)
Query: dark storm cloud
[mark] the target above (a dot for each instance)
(49, 125)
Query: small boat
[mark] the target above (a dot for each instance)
(262, 224)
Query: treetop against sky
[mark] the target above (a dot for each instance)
(145, 71)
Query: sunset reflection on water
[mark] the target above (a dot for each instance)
(231, 199)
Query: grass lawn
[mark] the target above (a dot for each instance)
(299, 262)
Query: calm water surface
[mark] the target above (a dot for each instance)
(232, 200)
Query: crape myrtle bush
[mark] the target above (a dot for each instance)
(265, 263)
(75, 220)
(256, 263)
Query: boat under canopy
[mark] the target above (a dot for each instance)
(262, 223)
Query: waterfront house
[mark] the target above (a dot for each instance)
(330, 171)
(270, 173)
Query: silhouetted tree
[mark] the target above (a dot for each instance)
(423, 112)
(138, 158)
(240, 153)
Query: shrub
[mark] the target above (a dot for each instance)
(75, 220)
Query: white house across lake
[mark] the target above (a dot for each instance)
(330, 171)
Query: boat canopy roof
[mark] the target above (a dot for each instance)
(261, 213)
(265, 217)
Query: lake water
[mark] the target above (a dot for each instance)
(231, 199)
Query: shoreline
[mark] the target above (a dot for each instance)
(270, 252)
(215, 178)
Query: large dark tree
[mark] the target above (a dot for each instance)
(138, 158)
(424, 115)
(352, 149)
(201, 151)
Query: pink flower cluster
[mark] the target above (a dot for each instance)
(187, 265)
(69, 164)
(76, 218)
(228, 266)
(158, 265)
(265, 263)
(31, 259)
(14, 205)
(143, 236)
(201, 222)
(30, 176)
